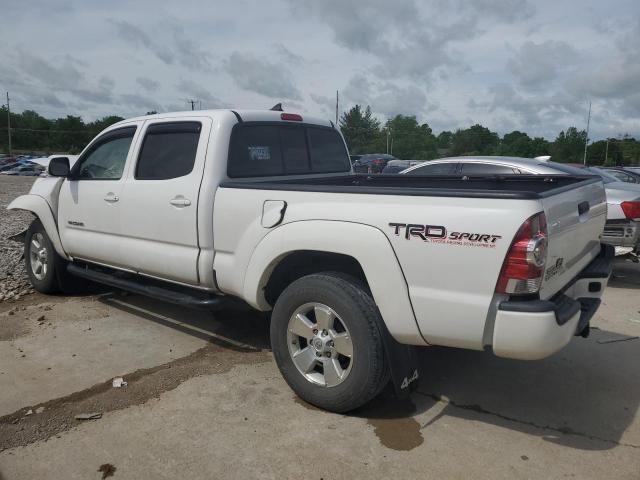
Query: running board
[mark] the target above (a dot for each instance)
(137, 284)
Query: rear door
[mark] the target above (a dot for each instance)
(160, 199)
(575, 221)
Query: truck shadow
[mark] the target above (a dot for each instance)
(584, 397)
(234, 329)
(626, 274)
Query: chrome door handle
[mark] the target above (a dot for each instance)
(180, 201)
(111, 198)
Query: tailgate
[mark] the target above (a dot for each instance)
(575, 220)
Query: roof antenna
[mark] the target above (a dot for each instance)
(277, 107)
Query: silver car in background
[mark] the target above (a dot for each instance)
(622, 229)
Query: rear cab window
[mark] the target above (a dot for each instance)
(259, 149)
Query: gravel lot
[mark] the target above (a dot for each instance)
(205, 400)
(13, 276)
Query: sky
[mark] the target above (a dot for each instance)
(532, 66)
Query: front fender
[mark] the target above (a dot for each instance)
(40, 208)
(368, 245)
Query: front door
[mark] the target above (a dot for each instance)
(90, 199)
(160, 199)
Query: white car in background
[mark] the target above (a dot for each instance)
(622, 229)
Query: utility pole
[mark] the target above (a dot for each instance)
(586, 140)
(193, 104)
(9, 123)
(336, 107)
(606, 153)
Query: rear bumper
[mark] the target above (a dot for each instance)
(534, 329)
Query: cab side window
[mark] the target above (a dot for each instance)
(105, 160)
(168, 150)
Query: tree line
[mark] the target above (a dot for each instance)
(407, 139)
(401, 135)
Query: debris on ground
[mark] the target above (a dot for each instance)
(119, 382)
(41, 318)
(39, 409)
(89, 416)
(29, 412)
(107, 470)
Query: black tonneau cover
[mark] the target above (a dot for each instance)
(493, 186)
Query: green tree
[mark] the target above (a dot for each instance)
(599, 153)
(360, 129)
(475, 140)
(443, 141)
(568, 147)
(410, 139)
(519, 144)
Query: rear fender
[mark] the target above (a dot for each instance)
(368, 245)
(41, 209)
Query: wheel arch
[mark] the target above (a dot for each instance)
(42, 210)
(356, 249)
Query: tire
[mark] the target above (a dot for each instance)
(314, 360)
(41, 259)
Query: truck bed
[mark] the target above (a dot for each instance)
(508, 186)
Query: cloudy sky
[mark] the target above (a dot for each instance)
(507, 64)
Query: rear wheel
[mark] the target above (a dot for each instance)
(327, 342)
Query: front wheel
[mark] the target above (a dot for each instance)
(327, 342)
(41, 259)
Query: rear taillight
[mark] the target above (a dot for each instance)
(631, 210)
(524, 264)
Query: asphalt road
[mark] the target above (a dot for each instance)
(205, 400)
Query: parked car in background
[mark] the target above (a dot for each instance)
(372, 162)
(396, 166)
(353, 158)
(25, 171)
(622, 229)
(624, 174)
(9, 166)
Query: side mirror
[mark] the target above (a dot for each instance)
(59, 167)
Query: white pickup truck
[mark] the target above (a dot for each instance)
(210, 207)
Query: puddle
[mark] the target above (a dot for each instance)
(393, 422)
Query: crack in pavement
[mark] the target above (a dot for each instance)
(481, 410)
(58, 415)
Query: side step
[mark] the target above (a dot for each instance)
(142, 286)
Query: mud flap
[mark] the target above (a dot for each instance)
(403, 364)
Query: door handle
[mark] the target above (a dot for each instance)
(111, 198)
(180, 201)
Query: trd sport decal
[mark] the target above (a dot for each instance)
(439, 234)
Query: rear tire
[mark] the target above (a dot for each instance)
(327, 342)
